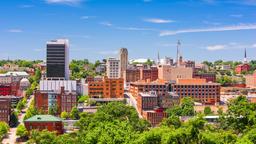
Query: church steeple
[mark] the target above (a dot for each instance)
(158, 57)
(245, 56)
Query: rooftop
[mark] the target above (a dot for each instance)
(55, 85)
(43, 118)
(150, 94)
(15, 73)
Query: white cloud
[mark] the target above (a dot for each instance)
(237, 15)
(15, 30)
(158, 21)
(215, 47)
(67, 2)
(134, 29)
(231, 45)
(214, 29)
(106, 24)
(211, 23)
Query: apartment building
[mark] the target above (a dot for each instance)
(198, 89)
(106, 88)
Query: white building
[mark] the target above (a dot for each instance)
(113, 66)
(12, 77)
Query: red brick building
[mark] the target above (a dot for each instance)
(150, 106)
(198, 89)
(146, 101)
(59, 94)
(149, 73)
(210, 77)
(242, 68)
(5, 109)
(131, 75)
(160, 87)
(64, 101)
(106, 88)
(155, 116)
(44, 122)
(5, 89)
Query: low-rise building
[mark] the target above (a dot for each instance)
(147, 101)
(131, 75)
(210, 77)
(5, 110)
(150, 73)
(106, 88)
(155, 116)
(171, 73)
(250, 80)
(44, 122)
(148, 107)
(59, 94)
(198, 89)
(245, 67)
(101, 68)
(160, 87)
(13, 76)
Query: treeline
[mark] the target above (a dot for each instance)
(20, 63)
(118, 123)
(83, 68)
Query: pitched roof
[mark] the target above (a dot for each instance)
(43, 118)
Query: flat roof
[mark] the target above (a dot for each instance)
(55, 85)
(44, 118)
(15, 73)
(148, 83)
(197, 84)
(148, 95)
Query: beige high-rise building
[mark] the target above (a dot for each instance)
(170, 73)
(123, 57)
(113, 68)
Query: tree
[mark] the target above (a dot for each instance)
(83, 99)
(186, 108)
(21, 131)
(21, 104)
(31, 111)
(64, 115)
(42, 137)
(172, 121)
(240, 115)
(53, 110)
(3, 129)
(149, 62)
(207, 110)
(14, 119)
(74, 114)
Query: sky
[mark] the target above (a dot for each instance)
(97, 29)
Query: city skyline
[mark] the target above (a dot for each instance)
(97, 29)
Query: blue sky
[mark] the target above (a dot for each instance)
(207, 29)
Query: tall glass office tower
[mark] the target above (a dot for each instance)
(57, 60)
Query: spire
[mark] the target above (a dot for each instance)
(158, 57)
(178, 53)
(245, 56)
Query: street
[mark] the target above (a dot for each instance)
(132, 102)
(11, 136)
